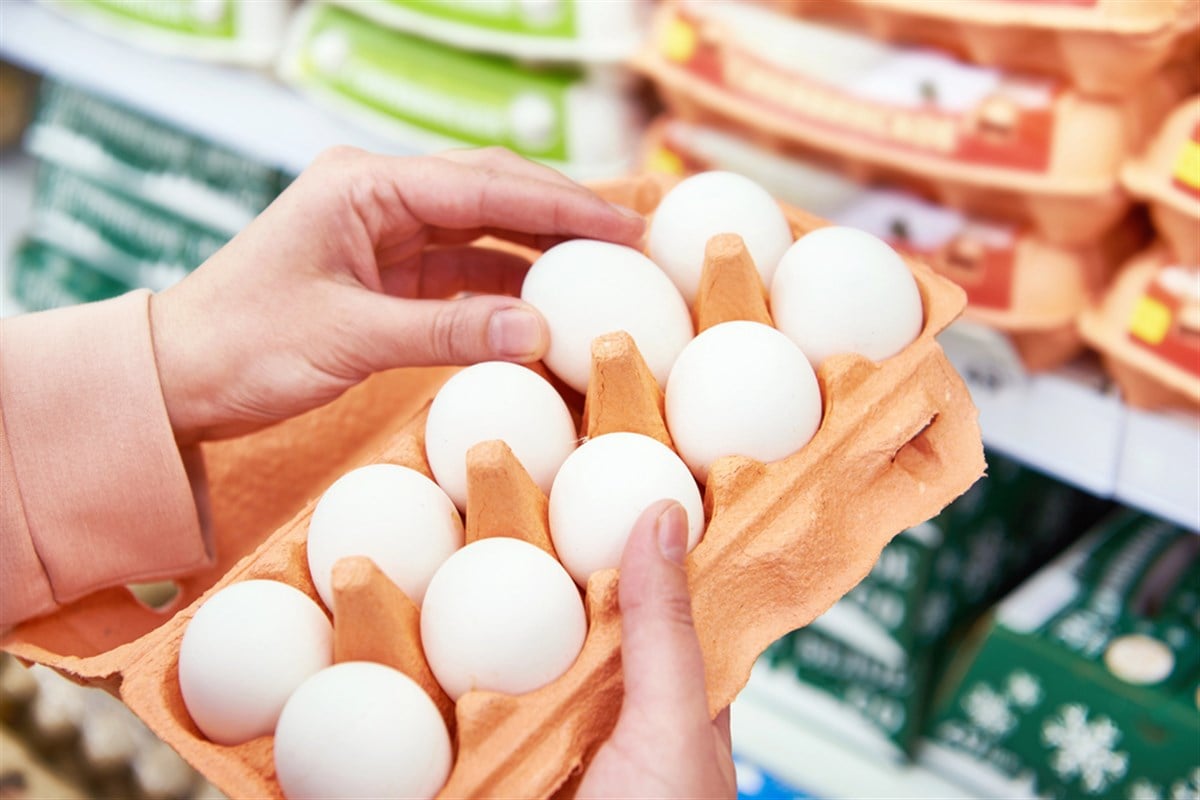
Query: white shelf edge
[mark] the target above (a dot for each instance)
(244, 109)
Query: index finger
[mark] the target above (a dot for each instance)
(448, 195)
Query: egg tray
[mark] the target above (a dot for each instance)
(1050, 284)
(899, 440)
(1072, 202)
(1146, 381)
(1153, 177)
(1106, 48)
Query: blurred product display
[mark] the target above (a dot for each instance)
(1033, 640)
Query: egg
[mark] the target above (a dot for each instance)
(497, 400)
(501, 615)
(361, 730)
(244, 652)
(705, 205)
(395, 516)
(741, 388)
(842, 290)
(586, 289)
(601, 490)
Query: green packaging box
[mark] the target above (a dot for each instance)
(1085, 681)
(42, 277)
(429, 96)
(129, 240)
(109, 143)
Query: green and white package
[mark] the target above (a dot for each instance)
(234, 31)
(1085, 683)
(193, 178)
(42, 277)
(429, 96)
(543, 30)
(130, 240)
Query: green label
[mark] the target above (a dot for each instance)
(548, 18)
(467, 97)
(43, 277)
(209, 19)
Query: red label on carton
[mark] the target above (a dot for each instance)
(982, 265)
(1166, 319)
(1012, 127)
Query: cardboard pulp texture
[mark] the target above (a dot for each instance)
(1148, 333)
(1054, 166)
(1106, 48)
(1084, 682)
(899, 440)
(881, 650)
(1016, 281)
(1167, 176)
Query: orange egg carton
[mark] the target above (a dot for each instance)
(1167, 176)
(1027, 150)
(1106, 48)
(1147, 329)
(1016, 282)
(783, 542)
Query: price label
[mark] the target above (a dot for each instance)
(985, 358)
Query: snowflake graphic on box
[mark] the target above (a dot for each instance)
(1084, 749)
(1188, 788)
(988, 710)
(1143, 789)
(984, 560)
(1024, 690)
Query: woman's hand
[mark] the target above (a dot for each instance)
(664, 744)
(346, 274)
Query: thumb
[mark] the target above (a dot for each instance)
(663, 666)
(401, 332)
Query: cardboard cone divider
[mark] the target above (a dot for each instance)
(898, 441)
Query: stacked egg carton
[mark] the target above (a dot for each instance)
(783, 540)
(122, 201)
(1006, 175)
(1148, 325)
(89, 740)
(542, 79)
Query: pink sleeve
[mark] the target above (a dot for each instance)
(95, 491)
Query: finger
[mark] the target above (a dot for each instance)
(503, 159)
(660, 654)
(532, 240)
(721, 727)
(469, 197)
(445, 272)
(400, 332)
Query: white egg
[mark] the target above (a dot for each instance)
(497, 400)
(842, 290)
(244, 652)
(708, 204)
(501, 615)
(741, 388)
(395, 516)
(361, 730)
(586, 289)
(601, 490)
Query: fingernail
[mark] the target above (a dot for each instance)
(671, 530)
(627, 212)
(516, 333)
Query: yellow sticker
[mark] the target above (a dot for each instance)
(1187, 165)
(1151, 321)
(678, 42)
(663, 160)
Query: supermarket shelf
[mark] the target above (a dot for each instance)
(1072, 424)
(244, 109)
(808, 740)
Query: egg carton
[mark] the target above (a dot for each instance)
(1106, 48)
(1054, 167)
(899, 440)
(1167, 176)
(1147, 330)
(1016, 282)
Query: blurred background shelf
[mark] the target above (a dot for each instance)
(244, 109)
